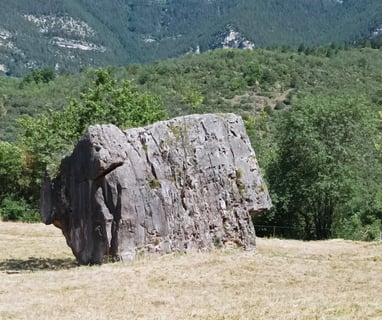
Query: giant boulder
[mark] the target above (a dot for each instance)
(190, 183)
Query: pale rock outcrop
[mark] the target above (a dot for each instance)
(190, 183)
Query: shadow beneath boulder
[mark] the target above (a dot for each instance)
(33, 264)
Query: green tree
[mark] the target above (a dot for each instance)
(14, 183)
(43, 75)
(44, 140)
(108, 101)
(11, 169)
(253, 74)
(326, 164)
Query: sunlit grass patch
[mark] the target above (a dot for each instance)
(283, 279)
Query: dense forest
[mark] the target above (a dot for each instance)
(68, 35)
(313, 115)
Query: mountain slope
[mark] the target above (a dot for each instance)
(74, 33)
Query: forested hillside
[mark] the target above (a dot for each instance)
(313, 115)
(68, 35)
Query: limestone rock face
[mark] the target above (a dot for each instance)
(189, 183)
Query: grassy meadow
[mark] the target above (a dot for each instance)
(283, 279)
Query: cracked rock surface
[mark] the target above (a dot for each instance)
(190, 183)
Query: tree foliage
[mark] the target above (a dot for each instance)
(327, 166)
(14, 201)
(43, 75)
(11, 169)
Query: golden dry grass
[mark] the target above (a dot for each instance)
(284, 279)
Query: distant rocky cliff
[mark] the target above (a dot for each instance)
(230, 38)
(190, 183)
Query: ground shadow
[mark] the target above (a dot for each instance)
(36, 264)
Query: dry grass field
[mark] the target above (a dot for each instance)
(284, 279)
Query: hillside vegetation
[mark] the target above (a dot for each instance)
(71, 34)
(313, 116)
(283, 279)
(217, 81)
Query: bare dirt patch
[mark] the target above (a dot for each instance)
(283, 279)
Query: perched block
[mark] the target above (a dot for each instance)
(186, 184)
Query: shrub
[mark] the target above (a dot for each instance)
(268, 110)
(353, 229)
(18, 210)
(279, 105)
